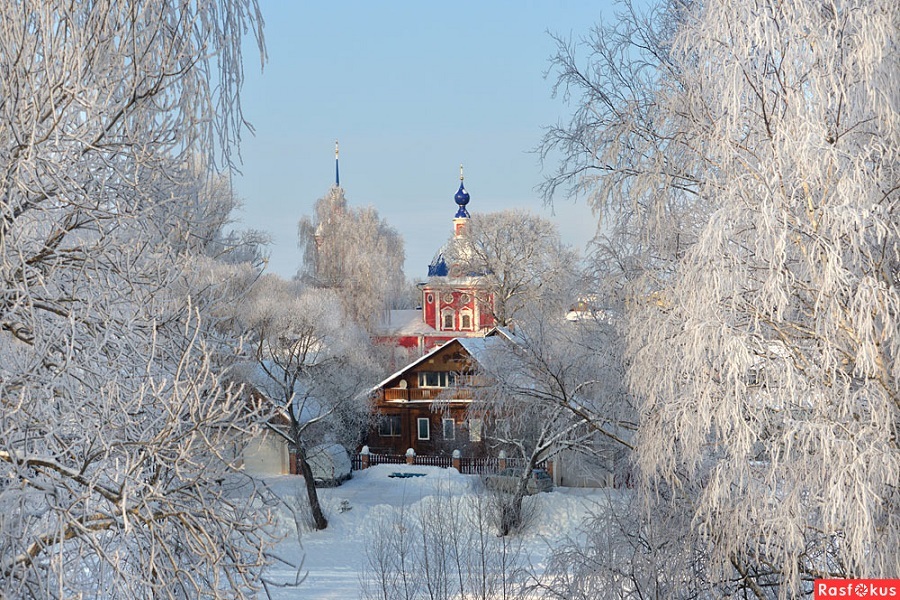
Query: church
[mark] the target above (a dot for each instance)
(454, 303)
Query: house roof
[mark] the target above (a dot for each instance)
(504, 332)
(413, 364)
(475, 347)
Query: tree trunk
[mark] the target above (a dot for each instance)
(511, 513)
(319, 520)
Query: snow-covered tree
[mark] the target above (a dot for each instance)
(213, 234)
(441, 547)
(116, 429)
(354, 252)
(556, 387)
(311, 366)
(515, 254)
(745, 156)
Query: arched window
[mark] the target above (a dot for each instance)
(449, 318)
(465, 320)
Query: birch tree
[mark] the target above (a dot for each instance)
(556, 387)
(312, 366)
(761, 141)
(116, 427)
(354, 252)
(515, 254)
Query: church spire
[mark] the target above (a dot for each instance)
(337, 169)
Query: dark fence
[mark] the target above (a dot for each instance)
(435, 461)
(478, 466)
(378, 459)
(467, 464)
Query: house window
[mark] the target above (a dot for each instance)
(448, 320)
(424, 428)
(475, 430)
(437, 379)
(465, 321)
(389, 426)
(449, 429)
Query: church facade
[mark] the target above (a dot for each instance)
(453, 303)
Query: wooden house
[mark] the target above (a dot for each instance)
(427, 404)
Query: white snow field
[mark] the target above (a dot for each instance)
(364, 512)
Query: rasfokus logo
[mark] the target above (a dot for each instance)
(857, 589)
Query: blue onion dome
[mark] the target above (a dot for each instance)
(438, 266)
(462, 197)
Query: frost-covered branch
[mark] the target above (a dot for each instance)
(309, 367)
(761, 298)
(118, 433)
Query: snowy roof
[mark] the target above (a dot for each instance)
(476, 347)
(405, 322)
(504, 332)
(411, 365)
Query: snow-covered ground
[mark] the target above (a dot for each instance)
(334, 559)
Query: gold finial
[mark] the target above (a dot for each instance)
(461, 173)
(336, 150)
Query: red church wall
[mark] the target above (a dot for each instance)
(432, 342)
(428, 308)
(408, 341)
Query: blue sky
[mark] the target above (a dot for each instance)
(411, 90)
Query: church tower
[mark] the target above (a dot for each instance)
(453, 300)
(462, 199)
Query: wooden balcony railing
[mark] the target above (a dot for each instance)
(408, 394)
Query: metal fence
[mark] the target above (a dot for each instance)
(478, 466)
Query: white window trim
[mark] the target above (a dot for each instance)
(446, 379)
(427, 428)
(462, 315)
(475, 430)
(444, 314)
(476, 314)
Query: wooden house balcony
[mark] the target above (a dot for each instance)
(427, 394)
